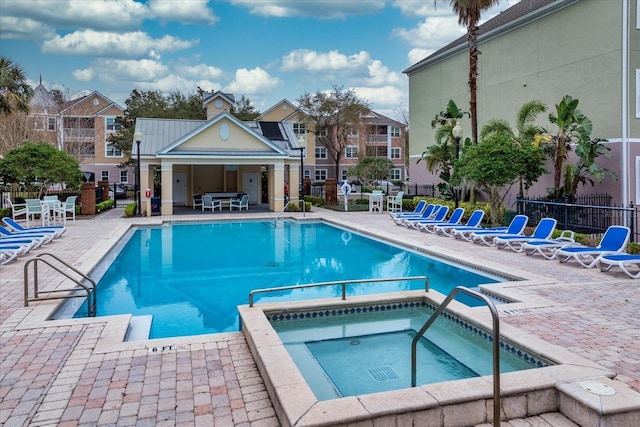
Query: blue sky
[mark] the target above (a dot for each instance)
(267, 50)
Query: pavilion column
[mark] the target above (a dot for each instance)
(276, 187)
(166, 198)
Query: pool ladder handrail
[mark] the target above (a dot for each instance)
(284, 208)
(88, 291)
(342, 283)
(496, 343)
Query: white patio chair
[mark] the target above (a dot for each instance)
(240, 203)
(69, 206)
(36, 208)
(208, 202)
(17, 209)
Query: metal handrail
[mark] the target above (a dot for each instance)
(342, 283)
(285, 207)
(89, 292)
(496, 343)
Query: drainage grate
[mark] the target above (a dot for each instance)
(272, 264)
(383, 374)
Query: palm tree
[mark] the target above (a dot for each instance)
(440, 156)
(15, 92)
(468, 12)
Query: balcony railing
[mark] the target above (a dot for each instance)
(79, 133)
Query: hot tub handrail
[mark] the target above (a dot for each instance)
(342, 283)
(496, 343)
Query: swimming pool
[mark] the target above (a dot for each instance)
(366, 349)
(191, 276)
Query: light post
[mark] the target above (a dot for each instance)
(301, 147)
(137, 137)
(457, 135)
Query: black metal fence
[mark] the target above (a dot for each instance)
(582, 218)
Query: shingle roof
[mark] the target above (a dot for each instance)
(498, 22)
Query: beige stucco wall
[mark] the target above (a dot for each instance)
(563, 53)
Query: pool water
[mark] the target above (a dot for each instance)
(190, 277)
(348, 355)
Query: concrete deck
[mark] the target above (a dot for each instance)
(78, 372)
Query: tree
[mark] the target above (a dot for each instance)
(38, 165)
(440, 156)
(333, 114)
(371, 169)
(154, 104)
(469, 12)
(495, 165)
(15, 92)
(243, 109)
(527, 131)
(15, 129)
(586, 170)
(573, 127)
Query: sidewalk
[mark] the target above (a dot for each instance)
(60, 373)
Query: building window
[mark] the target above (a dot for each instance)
(38, 122)
(104, 175)
(299, 128)
(376, 151)
(51, 123)
(124, 177)
(343, 175)
(112, 126)
(307, 174)
(395, 174)
(351, 152)
(321, 152)
(112, 150)
(322, 131)
(395, 132)
(352, 131)
(321, 174)
(395, 152)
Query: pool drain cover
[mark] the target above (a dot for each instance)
(383, 373)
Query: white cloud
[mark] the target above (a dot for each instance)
(382, 96)
(321, 9)
(185, 11)
(417, 54)
(200, 71)
(114, 45)
(379, 74)
(23, 29)
(253, 81)
(312, 61)
(116, 70)
(99, 14)
(432, 33)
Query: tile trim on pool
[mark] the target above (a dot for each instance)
(288, 315)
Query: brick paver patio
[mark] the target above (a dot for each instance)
(56, 374)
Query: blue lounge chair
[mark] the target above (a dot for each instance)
(516, 228)
(9, 253)
(422, 204)
(438, 216)
(428, 211)
(623, 261)
(455, 218)
(543, 231)
(517, 223)
(615, 239)
(57, 229)
(46, 237)
(474, 221)
(26, 242)
(548, 247)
